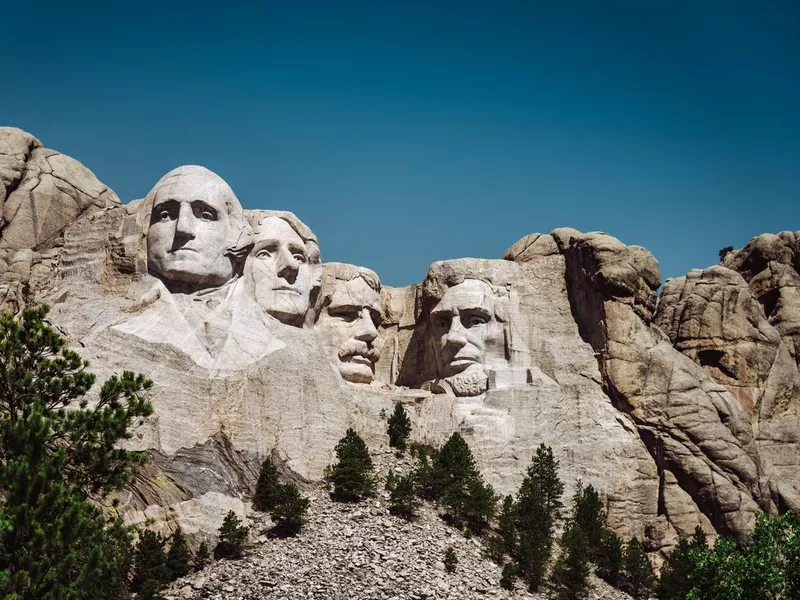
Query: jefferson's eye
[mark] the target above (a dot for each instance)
(299, 258)
(263, 254)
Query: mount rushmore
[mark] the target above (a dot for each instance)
(682, 410)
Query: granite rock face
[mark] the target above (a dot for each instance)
(681, 413)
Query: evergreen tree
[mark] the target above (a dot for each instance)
(403, 499)
(610, 559)
(638, 570)
(398, 427)
(538, 508)
(179, 556)
(391, 480)
(571, 573)
(674, 582)
(507, 525)
(232, 537)
(202, 556)
(55, 453)
(508, 577)
(352, 476)
(268, 487)
(589, 515)
(495, 548)
(289, 510)
(150, 569)
(450, 560)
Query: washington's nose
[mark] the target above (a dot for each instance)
(184, 226)
(366, 332)
(287, 266)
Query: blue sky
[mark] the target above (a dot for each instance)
(408, 132)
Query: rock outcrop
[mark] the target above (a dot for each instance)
(681, 412)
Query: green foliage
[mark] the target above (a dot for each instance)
(398, 427)
(453, 478)
(723, 252)
(352, 476)
(55, 453)
(450, 560)
(150, 570)
(268, 487)
(538, 507)
(768, 567)
(289, 510)
(403, 499)
(610, 558)
(232, 537)
(179, 556)
(589, 515)
(639, 576)
(495, 548)
(202, 556)
(507, 526)
(391, 479)
(508, 577)
(571, 572)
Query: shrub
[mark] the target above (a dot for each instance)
(403, 499)
(289, 511)
(179, 556)
(723, 252)
(268, 487)
(202, 556)
(508, 577)
(352, 476)
(232, 537)
(450, 560)
(398, 427)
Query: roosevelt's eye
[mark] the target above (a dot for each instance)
(441, 322)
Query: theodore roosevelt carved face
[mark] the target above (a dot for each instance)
(197, 234)
(348, 314)
(282, 272)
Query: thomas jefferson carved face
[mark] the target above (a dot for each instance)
(279, 272)
(195, 219)
(466, 334)
(347, 325)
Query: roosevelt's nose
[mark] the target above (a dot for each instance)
(365, 329)
(286, 265)
(185, 224)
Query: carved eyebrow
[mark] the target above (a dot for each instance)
(205, 205)
(476, 310)
(344, 307)
(443, 311)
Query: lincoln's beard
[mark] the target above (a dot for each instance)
(472, 382)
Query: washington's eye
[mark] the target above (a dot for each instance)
(207, 215)
(163, 215)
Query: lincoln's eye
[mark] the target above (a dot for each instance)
(348, 316)
(475, 320)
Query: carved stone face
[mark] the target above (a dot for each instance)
(348, 329)
(467, 336)
(277, 272)
(190, 230)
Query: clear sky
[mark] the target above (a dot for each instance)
(408, 132)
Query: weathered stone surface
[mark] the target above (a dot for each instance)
(555, 344)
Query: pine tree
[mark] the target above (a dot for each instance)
(571, 573)
(202, 556)
(610, 558)
(495, 548)
(57, 453)
(353, 478)
(150, 569)
(232, 537)
(398, 427)
(638, 570)
(589, 515)
(538, 508)
(403, 500)
(179, 556)
(450, 560)
(508, 577)
(674, 582)
(268, 487)
(507, 525)
(289, 511)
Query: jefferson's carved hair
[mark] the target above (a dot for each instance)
(255, 218)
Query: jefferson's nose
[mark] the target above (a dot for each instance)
(366, 330)
(286, 265)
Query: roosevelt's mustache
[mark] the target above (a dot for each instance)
(358, 348)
